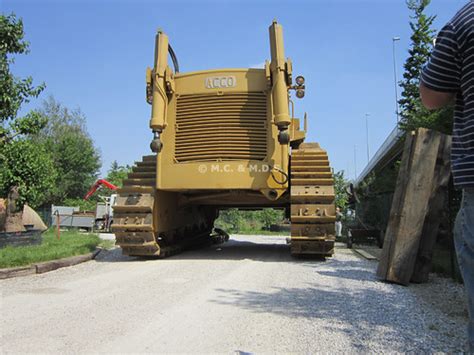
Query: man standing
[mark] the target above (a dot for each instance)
(338, 222)
(449, 77)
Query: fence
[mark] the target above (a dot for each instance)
(45, 214)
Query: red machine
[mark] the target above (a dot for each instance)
(99, 184)
(103, 210)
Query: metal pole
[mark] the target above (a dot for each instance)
(58, 222)
(367, 134)
(394, 39)
(355, 163)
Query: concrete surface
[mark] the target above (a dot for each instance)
(246, 296)
(107, 236)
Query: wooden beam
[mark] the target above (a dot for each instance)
(437, 203)
(64, 262)
(409, 206)
(397, 201)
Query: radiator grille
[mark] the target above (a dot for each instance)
(228, 127)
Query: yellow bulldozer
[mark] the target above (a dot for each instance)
(224, 138)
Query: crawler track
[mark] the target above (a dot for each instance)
(312, 201)
(133, 213)
(139, 233)
(137, 226)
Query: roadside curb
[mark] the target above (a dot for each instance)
(46, 266)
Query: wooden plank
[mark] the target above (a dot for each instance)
(394, 219)
(438, 201)
(70, 261)
(47, 265)
(17, 271)
(365, 254)
(409, 206)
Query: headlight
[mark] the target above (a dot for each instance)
(299, 80)
(300, 93)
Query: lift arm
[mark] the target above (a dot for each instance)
(98, 184)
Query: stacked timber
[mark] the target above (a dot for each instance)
(418, 201)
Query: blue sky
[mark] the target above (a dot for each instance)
(93, 55)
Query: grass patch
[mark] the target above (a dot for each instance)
(71, 243)
(107, 244)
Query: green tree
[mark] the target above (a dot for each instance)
(75, 157)
(29, 167)
(15, 91)
(241, 221)
(412, 113)
(230, 220)
(117, 173)
(23, 164)
(340, 186)
(269, 216)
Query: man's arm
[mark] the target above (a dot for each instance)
(441, 77)
(432, 99)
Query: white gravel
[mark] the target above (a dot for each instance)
(107, 236)
(246, 296)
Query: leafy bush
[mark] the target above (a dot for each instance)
(247, 222)
(29, 167)
(75, 157)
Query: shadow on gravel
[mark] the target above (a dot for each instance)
(341, 311)
(271, 251)
(351, 270)
(114, 256)
(373, 315)
(232, 250)
(238, 250)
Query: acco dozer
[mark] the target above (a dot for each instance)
(224, 138)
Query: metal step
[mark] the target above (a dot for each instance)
(309, 181)
(312, 247)
(149, 250)
(312, 219)
(149, 158)
(136, 189)
(140, 182)
(145, 163)
(311, 174)
(142, 175)
(123, 209)
(144, 169)
(316, 169)
(116, 227)
(312, 163)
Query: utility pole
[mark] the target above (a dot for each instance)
(355, 163)
(395, 39)
(367, 134)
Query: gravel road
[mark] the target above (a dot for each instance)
(246, 296)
